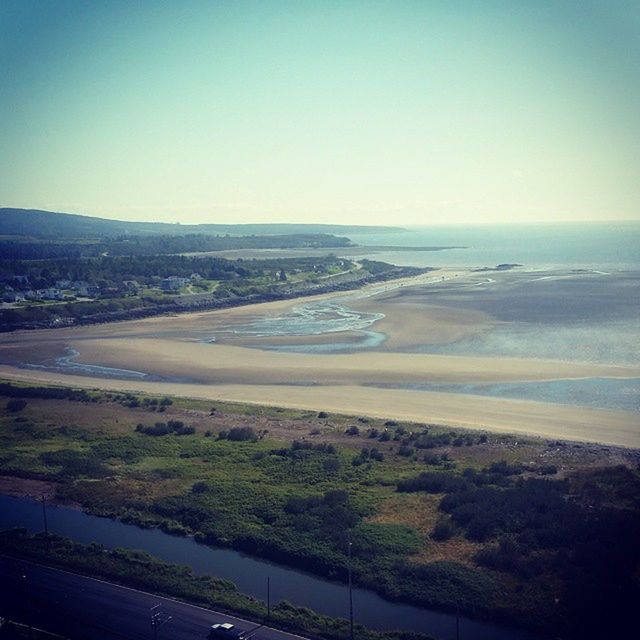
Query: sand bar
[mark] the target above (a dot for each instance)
(223, 364)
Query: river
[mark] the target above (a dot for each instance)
(250, 574)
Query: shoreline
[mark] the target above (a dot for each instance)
(202, 303)
(173, 352)
(528, 418)
(251, 307)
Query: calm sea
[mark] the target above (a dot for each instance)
(614, 245)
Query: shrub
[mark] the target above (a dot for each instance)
(48, 393)
(548, 470)
(331, 465)
(75, 463)
(534, 509)
(14, 405)
(199, 487)
(505, 468)
(352, 430)
(443, 530)
(434, 482)
(162, 429)
(429, 441)
(242, 434)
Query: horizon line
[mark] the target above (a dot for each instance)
(397, 225)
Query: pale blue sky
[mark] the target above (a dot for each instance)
(356, 112)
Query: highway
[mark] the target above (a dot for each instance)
(81, 608)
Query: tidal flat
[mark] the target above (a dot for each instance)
(426, 340)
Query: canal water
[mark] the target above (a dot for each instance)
(250, 574)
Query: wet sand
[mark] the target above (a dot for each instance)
(409, 324)
(175, 351)
(224, 364)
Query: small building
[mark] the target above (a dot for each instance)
(173, 283)
(132, 286)
(109, 292)
(86, 290)
(51, 294)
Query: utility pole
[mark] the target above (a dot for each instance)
(157, 619)
(457, 621)
(44, 517)
(268, 599)
(350, 595)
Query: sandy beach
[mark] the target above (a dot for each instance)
(175, 352)
(507, 416)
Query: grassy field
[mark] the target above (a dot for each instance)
(504, 527)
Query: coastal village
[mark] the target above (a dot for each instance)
(18, 289)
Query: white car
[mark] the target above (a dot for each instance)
(225, 630)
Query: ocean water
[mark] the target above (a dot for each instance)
(597, 393)
(611, 245)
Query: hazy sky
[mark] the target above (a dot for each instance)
(359, 112)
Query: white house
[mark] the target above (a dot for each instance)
(173, 283)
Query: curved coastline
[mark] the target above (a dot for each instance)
(325, 353)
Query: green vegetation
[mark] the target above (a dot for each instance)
(139, 570)
(588, 539)
(176, 427)
(505, 528)
(14, 405)
(109, 272)
(29, 249)
(78, 290)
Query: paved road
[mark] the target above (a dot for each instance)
(80, 607)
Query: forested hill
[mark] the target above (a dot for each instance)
(36, 223)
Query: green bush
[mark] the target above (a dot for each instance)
(443, 530)
(14, 405)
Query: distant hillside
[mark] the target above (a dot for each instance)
(36, 223)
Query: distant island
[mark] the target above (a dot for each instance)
(506, 266)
